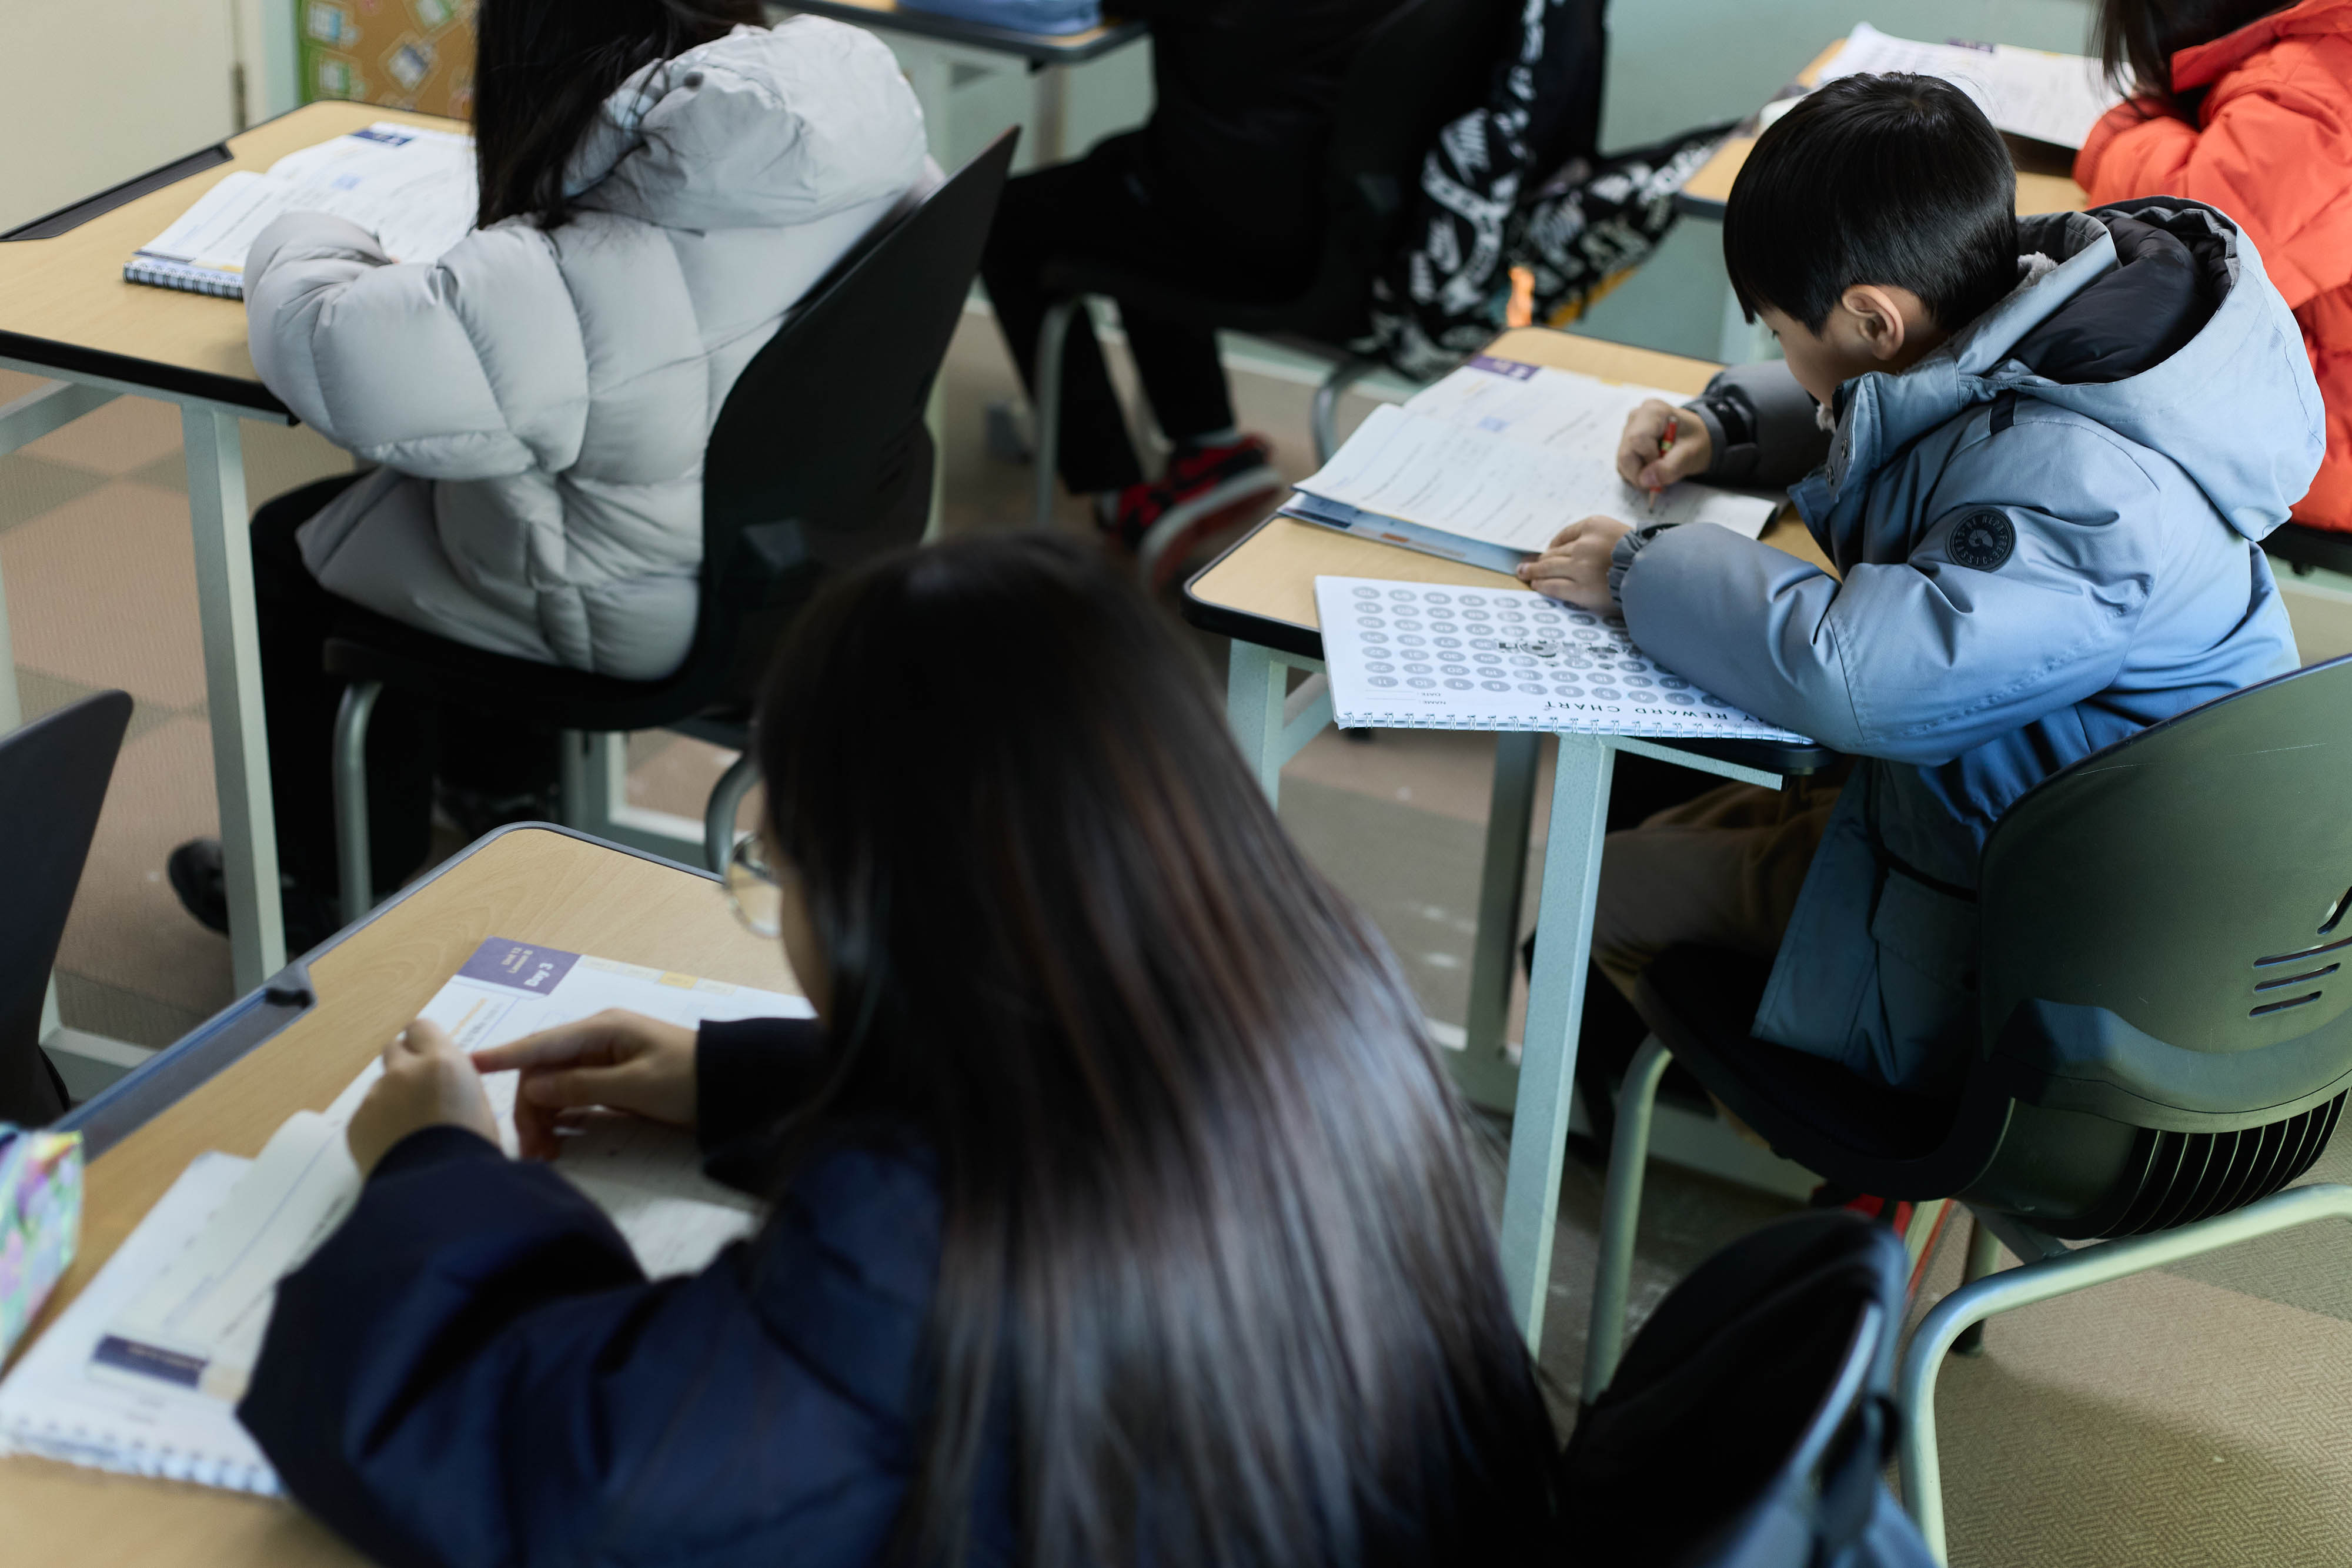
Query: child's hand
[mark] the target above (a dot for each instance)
(1638, 459)
(616, 1060)
(1575, 568)
(428, 1082)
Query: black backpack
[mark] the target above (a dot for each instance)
(1748, 1425)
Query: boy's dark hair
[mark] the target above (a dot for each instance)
(1894, 180)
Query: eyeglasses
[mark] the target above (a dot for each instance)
(752, 887)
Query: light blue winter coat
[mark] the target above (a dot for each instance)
(2036, 563)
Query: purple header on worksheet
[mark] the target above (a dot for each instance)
(1511, 368)
(518, 966)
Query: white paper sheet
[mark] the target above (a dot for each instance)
(1422, 655)
(412, 189)
(1507, 454)
(2027, 92)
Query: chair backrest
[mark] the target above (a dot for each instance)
(53, 776)
(1423, 66)
(1748, 1424)
(819, 458)
(2166, 947)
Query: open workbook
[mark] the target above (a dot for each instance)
(1487, 464)
(143, 1372)
(412, 189)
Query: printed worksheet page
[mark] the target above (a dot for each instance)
(1507, 454)
(2029, 92)
(1417, 655)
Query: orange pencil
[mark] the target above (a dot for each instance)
(1665, 445)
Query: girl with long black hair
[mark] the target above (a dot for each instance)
(1121, 1211)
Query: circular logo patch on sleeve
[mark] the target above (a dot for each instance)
(1982, 539)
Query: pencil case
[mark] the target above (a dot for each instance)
(1017, 15)
(40, 1221)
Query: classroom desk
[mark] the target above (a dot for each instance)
(66, 315)
(2043, 185)
(229, 1084)
(1261, 593)
(954, 41)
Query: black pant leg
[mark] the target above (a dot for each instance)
(1043, 217)
(299, 702)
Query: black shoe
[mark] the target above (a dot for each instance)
(199, 878)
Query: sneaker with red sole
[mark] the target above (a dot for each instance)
(1204, 490)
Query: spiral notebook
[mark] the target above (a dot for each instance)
(412, 189)
(1424, 655)
(144, 1372)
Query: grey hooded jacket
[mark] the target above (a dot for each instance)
(540, 401)
(2045, 531)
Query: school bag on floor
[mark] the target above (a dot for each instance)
(1729, 1437)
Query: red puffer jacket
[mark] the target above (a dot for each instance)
(2273, 148)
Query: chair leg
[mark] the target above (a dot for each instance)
(1621, 1212)
(1984, 1258)
(2045, 1280)
(574, 788)
(1325, 418)
(353, 857)
(719, 814)
(1053, 334)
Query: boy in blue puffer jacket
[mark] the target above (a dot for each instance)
(2037, 451)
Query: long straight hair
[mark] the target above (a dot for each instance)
(2137, 39)
(1213, 1255)
(543, 67)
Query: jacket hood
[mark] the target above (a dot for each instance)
(2204, 64)
(763, 128)
(2153, 318)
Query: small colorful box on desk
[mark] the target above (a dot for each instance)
(40, 1220)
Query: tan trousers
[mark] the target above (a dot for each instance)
(1721, 871)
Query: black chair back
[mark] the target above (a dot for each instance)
(2166, 961)
(53, 776)
(1749, 1424)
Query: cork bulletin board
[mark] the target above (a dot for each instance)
(402, 54)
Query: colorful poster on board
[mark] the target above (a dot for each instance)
(400, 54)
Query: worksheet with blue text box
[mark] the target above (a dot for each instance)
(1424, 655)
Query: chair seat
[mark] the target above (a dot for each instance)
(1700, 1001)
(365, 646)
(2327, 550)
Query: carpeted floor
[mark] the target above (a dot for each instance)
(2202, 1416)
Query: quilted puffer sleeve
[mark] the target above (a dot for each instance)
(469, 367)
(2275, 155)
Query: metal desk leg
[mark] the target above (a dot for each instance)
(1484, 1070)
(1579, 812)
(217, 516)
(1050, 112)
(1271, 723)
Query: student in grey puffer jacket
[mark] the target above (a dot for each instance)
(2043, 525)
(661, 181)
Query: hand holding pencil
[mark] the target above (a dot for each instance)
(1662, 444)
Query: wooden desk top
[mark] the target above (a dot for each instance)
(63, 302)
(1040, 49)
(1709, 188)
(527, 883)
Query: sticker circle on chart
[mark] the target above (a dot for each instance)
(1368, 593)
(1370, 622)
(1716, 702)
(1376, 636)
(1579, 617)
(1423, 682)
(1411, 640)
(1475, 615)
(1408, 625)
(1523, 662)
(1384, 680)
(1682, 697)
(1573, 662)
(1531, 686)
(1567, 691)
(1459, 686)
(1437, 598)
(1488, 658)
(1640, 681)
(1380, 666)
(1606, 693)
(1400, 594)
(1513, 615)
(1449, 627)
(1449, 641)
(1416, 669)
(1496, 685)
(1473, 598)
(1589, 634)
(1672, 683)
(1455, 670)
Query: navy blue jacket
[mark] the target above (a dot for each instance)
(473, 1370)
